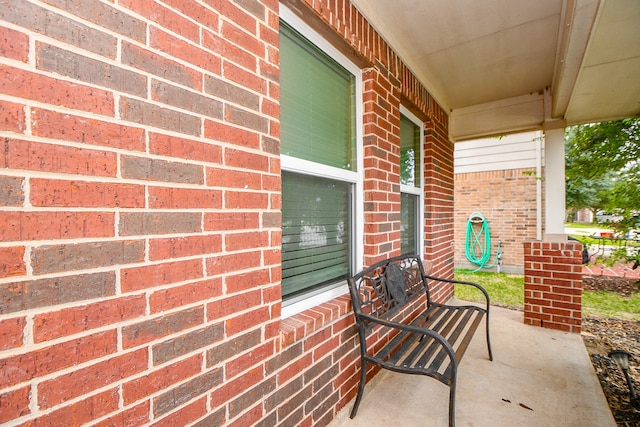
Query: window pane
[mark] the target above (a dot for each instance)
(409, 152)
(316, 232)
(317, 104)
(409, 223)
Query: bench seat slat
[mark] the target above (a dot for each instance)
(452, 337)
(399, 339)
(462, 347)
(393, 352)
(448, 319)
(406, 350)
(464, 344)
(419, 350)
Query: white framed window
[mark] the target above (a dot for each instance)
(321, 160)
(411, 183)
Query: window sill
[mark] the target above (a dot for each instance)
(311, 300)
(304, 323)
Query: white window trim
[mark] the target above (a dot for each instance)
(306, 167)
(292, 164)
(410, 189)
(418, 191)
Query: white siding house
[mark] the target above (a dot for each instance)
(517, 151)
(501, 179)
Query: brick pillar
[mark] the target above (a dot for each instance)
(553, 285)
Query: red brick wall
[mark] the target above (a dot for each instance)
(507, 199)
(140, 212)
(553, 285)
(381, 166)
(439, 202)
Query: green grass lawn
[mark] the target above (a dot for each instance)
(585, 225)
(611, 304)
(508, 290)
(504, 289)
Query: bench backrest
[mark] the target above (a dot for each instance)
(382, 289)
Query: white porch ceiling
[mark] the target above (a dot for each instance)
(503, 66)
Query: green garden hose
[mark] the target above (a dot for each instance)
(478, 243)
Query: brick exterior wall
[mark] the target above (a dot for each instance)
(381, 165)
(507, 199)
(140, 212)
(553, 285)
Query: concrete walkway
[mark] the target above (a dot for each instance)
(539, 377)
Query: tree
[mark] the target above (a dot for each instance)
(603, 172)
(602, 166)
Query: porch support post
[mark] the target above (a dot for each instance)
(554, 184)
(553, 266)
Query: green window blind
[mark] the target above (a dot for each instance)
(317, 124)
(317, 104)
(316, 235)
(409, 152)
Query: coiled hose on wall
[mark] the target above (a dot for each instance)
(478, 243)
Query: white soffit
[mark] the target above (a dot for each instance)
(608, 85)
(508, 115)
(500, 55)
(469, 52)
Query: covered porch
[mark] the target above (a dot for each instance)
(539, 377)
(506, 68)
(142, 192)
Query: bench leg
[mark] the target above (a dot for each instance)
(453, 380)
(488, 339)
(452, 405)
(363, 380)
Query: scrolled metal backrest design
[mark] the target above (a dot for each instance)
(386, 286)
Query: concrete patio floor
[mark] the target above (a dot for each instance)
(539, 377)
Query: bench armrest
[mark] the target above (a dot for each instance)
(461, 282)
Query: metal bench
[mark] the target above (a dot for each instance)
(403, 332)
